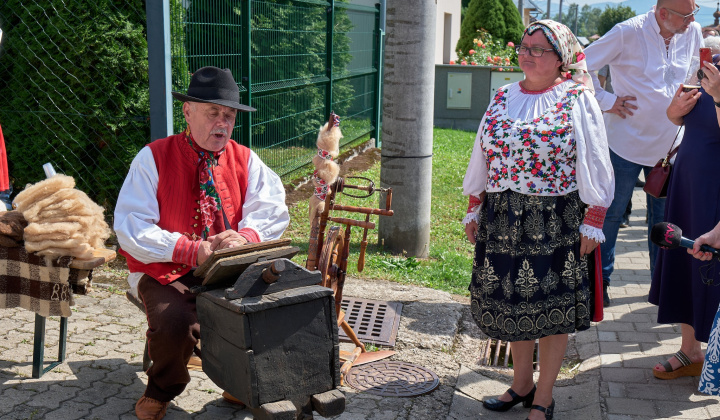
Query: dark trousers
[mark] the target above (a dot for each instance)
(173, 331)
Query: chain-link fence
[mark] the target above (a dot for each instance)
(74, 79)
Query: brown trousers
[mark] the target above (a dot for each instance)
(173, 331)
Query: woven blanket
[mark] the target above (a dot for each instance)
(31, 282)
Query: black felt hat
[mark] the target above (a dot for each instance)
(215, 86)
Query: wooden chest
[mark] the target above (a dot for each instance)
(274, 347)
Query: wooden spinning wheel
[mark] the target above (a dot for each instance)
(330, 264)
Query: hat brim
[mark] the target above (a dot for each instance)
(230, 104)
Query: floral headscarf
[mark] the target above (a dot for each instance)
(567, 48)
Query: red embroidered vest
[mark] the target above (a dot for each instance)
(179, 193)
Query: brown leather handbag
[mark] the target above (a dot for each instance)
(656, 182)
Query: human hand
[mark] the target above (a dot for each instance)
(471, 230)
(227, 239)
(711, 238)
(682, 103)
(587, 245)
(622, 107)
(711, 81)
(204, 252)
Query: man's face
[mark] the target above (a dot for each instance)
(679, 15)
(210, 124)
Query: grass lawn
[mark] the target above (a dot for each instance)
(450, 262)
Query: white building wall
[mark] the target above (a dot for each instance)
(447, 30)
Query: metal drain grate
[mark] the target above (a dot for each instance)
(374, 321)
(497, 353)
(392, 379)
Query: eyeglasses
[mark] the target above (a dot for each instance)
(686, 18)
(534, 51)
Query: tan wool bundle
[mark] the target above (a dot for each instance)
(61, 219)
(326, 170)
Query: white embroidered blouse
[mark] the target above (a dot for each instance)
(543, 143)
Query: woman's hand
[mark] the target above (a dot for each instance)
(587, 245)
(711, 81)
(711, 238)
(226, 239)
(471, 230)
(682, 103)
(622, 106)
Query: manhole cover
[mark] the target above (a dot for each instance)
(373, 321)
(392, 379)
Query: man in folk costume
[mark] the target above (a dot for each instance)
(184, 197)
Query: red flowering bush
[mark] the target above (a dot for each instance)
(487, 51)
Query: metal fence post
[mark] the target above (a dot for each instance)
(159, 68)
(329, 58)
(377, 112)
(246, 64)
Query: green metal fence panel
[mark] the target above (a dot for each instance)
(74, 79)
(305, 59)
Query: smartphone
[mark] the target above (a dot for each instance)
(705, 57)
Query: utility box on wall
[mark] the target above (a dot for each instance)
(459, 89)
(500, 79)
(463, 93)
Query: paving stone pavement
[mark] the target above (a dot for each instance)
(102, 376)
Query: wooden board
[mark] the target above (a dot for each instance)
(227, 270)
(99, 257)
(229, 252)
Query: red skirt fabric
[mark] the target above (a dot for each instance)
(4, 179)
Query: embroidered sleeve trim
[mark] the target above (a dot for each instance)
(592, 233)
(471, 217)
(595, 217)
(474, 204)
(186, 251)
(250, 234)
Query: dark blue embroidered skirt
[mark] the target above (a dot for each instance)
(528, 278)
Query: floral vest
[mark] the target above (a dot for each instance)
(531, 157)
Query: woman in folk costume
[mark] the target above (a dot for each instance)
(539, 181)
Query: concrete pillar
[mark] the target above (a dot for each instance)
(407, 135)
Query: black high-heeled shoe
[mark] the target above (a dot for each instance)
(548, 411)
(495, 404)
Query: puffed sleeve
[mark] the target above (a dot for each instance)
(476, 176)
(594, 174)
(137, 212)
(264, 210)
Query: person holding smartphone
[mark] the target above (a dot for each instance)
(682, 287)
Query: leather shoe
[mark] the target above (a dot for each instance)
(495, 404)
(232, 400)
(606, 297)
(150, 408)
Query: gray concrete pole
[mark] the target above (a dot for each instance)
(407, 130)
(560, 16)
(547, 14)
(521, 7)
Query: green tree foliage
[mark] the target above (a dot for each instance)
(500, 18)
(74, 81)
(612, 16)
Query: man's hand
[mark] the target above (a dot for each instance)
(587, 245)
(711, 238)
(682, 103)
(471, 230)
(623, 107)
(204, 252)
(227, 239)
